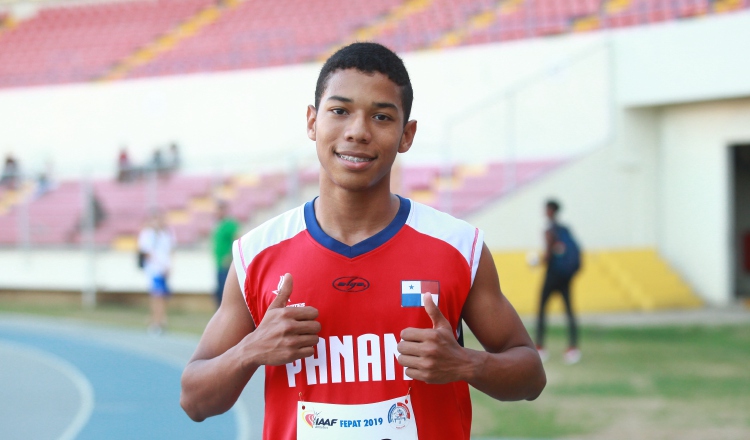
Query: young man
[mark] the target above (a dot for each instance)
(562, 258)
(157, 242)
(224, 234)
(352, 301)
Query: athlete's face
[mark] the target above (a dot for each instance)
(358, 129)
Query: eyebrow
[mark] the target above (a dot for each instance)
(385, 105)
(374, 104)
(339, 98)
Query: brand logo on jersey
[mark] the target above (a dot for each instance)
(278, 287)
(276, 292)
(399, 415)
(351, 284)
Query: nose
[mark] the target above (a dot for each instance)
(358, 129)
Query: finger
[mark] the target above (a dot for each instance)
(408, 348)
(305, 328)
(284, 292)
(415, 374)
(302, 341)
(302, 313)
(416, 335)
(408, 361)
(438, 320)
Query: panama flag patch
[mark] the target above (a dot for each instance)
(412, 291)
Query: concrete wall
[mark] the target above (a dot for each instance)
(109, 271)
(695, 224)
(664, 182)
(685, 61)
(608, 195)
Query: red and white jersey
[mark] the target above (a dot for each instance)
(366, 295)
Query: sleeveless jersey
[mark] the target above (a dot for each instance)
(366, 295)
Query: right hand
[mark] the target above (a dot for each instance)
(286, 333)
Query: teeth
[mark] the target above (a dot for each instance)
(354, 159)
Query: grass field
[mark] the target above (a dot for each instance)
(680, 382)
(688, 382)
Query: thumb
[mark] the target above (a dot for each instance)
(438, 320)
(284, 292)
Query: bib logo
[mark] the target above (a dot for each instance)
(312, 420)
(309, 417)
(399, 415)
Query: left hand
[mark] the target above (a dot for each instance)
(433, 355)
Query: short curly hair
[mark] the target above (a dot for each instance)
(368, 58)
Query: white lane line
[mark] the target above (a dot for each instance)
(75, 375)
(131, 342)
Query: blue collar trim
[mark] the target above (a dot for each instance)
(363, 246)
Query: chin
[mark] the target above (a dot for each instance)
(354, 183)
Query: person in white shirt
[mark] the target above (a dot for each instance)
(156, 242)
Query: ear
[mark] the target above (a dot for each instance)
(312, 116)
(408, 136)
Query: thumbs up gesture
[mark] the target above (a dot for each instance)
(432, 355)
(286, 333)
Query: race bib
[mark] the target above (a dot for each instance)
(389, 420)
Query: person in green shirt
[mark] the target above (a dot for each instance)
(223, 236)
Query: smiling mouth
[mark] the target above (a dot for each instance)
(354, 158)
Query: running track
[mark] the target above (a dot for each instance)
(61, 380)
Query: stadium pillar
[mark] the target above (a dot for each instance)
(88, 294)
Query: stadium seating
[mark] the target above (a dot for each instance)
(610, 280)
(471, 188)
(51, 218)
(258, 33)
(189, 202)
(140, 38)
(79, 43)
(127, 205)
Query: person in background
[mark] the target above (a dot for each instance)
(223, 236)
(158, 165)
(563, 260)
(157, 242)
(173, 157)
(124, 167)
(11, 173)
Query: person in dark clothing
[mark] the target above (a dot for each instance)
(562, 258)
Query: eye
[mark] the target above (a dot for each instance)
(382, 117)
(338, 111)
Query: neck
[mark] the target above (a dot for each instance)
(351, 217)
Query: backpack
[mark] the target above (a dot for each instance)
(566, 254)
(141, 258)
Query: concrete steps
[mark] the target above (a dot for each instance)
(616, 280)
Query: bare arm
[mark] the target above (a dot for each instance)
(231, 348)
(508, 369)
(549, 241)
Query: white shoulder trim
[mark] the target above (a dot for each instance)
(467, 239)
(270, 233)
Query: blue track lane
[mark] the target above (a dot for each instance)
(135, 397)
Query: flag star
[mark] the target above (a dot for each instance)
(411, 287)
